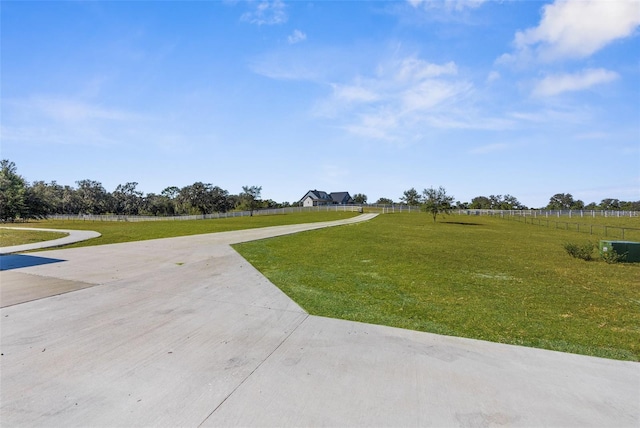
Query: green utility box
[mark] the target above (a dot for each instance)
(631, 249)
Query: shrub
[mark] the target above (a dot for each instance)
(612, 256)
(580, 251)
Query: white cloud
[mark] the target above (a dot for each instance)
(75, 111)
(576, 29)
(489, 148)
(380, 125)
(595, 135)
(61, 121)
(559, 83)
(354, 93)
(457, 5)
(430, 93)
(576, 116)
(399, 100)
(282, 67)
(266, 13)
(296, 37)
(493, 76)
(414, 69)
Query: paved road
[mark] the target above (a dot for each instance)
(72, 237)
(184, 332)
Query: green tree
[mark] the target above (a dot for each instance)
(610, 204)
(564, 201)
(250, 197)
(43, 199)
(13, 190)
(155, 204)
(360, 198)
(480, 203)
(71, 201)
(171, 194)
(127, 200)
(384, 201)
(92, 197)
(410, 197)
(436, 201)
(630, 205)
(220, 200)
(511, 203)
(196, 198)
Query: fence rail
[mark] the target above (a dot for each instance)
(232, 214)
(553, 213)
(396, 208)
(617, 232)
(551, 219)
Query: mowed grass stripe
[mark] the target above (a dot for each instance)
(476, 277)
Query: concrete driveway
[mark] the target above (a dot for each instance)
(184, 332)
(73, 236)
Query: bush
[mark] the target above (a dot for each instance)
(580, 251)
(612, 256)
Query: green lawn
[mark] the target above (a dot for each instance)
(118, 231)
(11, 237)
(478, 277)
(602, 227)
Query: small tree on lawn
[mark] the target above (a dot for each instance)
(436, 201)
(251, 197)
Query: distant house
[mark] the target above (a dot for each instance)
(313, 198)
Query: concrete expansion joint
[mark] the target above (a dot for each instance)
(282, 342)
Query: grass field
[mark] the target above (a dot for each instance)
(11, 237)
(115, 232)
(478, 277)
(627, 228)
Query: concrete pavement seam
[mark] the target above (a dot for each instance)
(255, 369)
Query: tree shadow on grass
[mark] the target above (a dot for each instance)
(16, 261)
(462, 223)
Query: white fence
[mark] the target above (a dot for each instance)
(270, 211)
(396, 208)
(553, 213)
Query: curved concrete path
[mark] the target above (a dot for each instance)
(72, 237)
(184, 332)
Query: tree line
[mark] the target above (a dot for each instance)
(559, 201)
(20, 199)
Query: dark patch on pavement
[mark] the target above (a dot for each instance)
(16, 261)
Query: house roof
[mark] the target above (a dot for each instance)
(335, 197)
(340, 197)
(317, 195)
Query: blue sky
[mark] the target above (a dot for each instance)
(523, 98)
